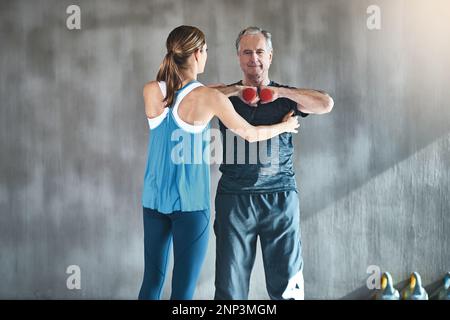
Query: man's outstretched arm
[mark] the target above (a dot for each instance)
(308, 101)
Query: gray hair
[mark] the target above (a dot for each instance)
(255, 30)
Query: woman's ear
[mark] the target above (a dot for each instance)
(197, 54)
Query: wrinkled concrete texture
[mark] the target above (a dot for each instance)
(373, 174)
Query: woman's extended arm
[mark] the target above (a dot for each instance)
(224, 110)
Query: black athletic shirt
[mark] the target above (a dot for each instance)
(258, 173)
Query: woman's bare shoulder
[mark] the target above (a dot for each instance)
(210, 93)
(153, 98)
(151, 87)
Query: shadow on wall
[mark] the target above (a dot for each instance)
(390, 96)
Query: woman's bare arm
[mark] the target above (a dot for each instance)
(224, 110)
(153, 99)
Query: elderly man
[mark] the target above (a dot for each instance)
(256, 199)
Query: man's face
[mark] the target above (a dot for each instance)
(254, 57)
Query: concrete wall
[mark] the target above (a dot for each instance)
(373, 174)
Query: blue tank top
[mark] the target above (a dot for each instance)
(177, 175)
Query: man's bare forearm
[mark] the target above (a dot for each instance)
(308, 101)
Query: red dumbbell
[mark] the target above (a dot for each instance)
(266, 95)
(248, 94)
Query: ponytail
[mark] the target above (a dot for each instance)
(170, 73)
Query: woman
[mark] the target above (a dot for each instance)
(176, 195)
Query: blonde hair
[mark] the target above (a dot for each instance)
(181, 43)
